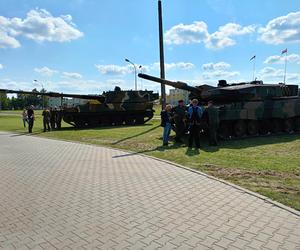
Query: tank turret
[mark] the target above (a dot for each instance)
(244, 91)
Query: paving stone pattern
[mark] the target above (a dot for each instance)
(63, 195)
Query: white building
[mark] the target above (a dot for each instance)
(177, 94)
(54, 102)
(69, 102)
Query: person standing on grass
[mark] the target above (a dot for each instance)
(24, 117)
(46, 119)
(30, 114)
(166, 118)
(195, 113)
(213, 123)
(179, 119)
(52, 118)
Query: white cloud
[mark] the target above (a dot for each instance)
(71, 75)
(216, 66)
(271, 72)
(45, 71)
(283, 29)
(198, 33)
(222, 38)
(1, 66)
(112, 69)
(187, 33)
(276, 75)
(217, 71)
(39, 25)
(171, 66)
(293, 58)
(220, 74)
(7, 41)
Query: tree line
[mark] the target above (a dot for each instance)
(21, 101)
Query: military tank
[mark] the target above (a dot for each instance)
(116, 107)
(247, 108)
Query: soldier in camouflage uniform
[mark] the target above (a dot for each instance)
(213, 123)
(52, 118)
(46, 119)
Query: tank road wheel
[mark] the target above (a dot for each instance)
(93, 123)
(276, 126)
(139, 120)
(252, 127)
(239, 128)
(297, 124)
(79, 123)
(265, 127)
(129, 121)
(288, 125)
(105, 121)
(118, 121)
(225, 129)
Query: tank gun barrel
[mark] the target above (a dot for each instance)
(178, 84)
(101, 98)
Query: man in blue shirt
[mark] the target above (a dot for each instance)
(195, 113)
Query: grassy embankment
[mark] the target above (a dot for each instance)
(268, 165)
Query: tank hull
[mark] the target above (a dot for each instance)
(98, 119)
(253, 118)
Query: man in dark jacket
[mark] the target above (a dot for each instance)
(52, 118)
(195, 113)
(179, 118)
(213, 123)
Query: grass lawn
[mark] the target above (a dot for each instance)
(267, 165)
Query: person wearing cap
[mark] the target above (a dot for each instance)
(30, 115)
(179, 118)
(213, 123)
(195, 113)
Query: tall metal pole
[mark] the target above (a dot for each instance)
(254, 68)
(135, 80)
(285, 67)
(141, 71)
(161, 53)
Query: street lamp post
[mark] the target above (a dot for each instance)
(127, 60)
(141, 71)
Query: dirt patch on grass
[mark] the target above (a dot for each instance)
(280, 182)
(231, 172)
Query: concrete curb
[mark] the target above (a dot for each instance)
(243, 190)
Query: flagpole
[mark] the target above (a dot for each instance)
(254, 67)
(285, 67)
(253, 57)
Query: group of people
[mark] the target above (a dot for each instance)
(51, 118)
(188, 119)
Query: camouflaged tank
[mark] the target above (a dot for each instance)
(116, 107)
(247, 109)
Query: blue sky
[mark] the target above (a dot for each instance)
(79, 46)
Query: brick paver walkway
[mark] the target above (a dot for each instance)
(62, 195)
